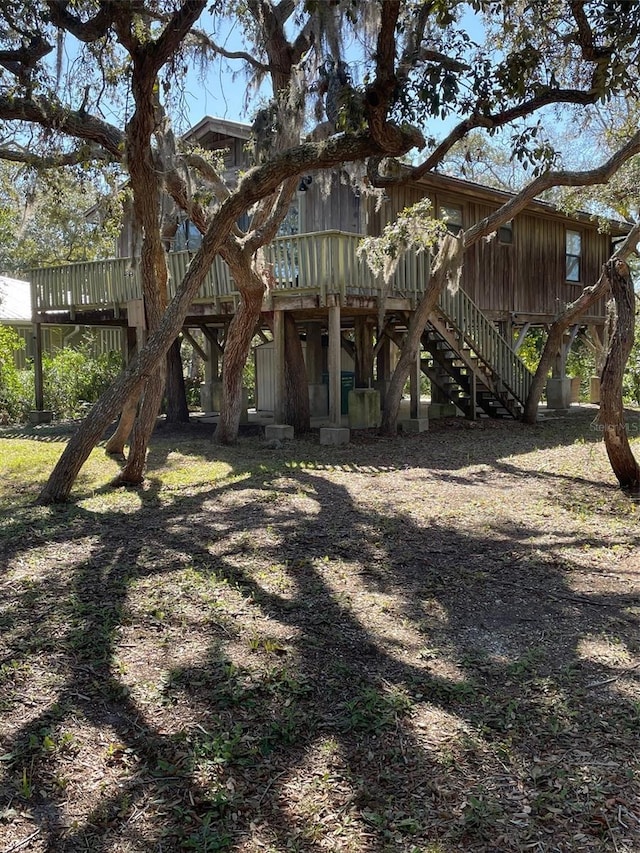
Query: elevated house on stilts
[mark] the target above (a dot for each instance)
(351, 324)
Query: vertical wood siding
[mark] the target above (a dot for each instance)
(524, 277)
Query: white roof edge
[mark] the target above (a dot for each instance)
(15, 300)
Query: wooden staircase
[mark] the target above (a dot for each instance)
(471, 363)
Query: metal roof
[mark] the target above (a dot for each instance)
(15, 300)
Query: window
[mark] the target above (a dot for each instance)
(291, 223)
(452, 215)
(573, 255)
(187, 237)
(505, 233)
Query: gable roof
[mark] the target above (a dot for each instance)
(210, 131)
(15, 300)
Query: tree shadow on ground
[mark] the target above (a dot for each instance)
(284, 663)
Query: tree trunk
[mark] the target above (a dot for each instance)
(572, 312)
(177, 409)
(115, 445)
(587, 298)
(297, 408)
(447, 267)
(133, 472)
(236, 349)
(611, 415)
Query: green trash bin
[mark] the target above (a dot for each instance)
(347, 383)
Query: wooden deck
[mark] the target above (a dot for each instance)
(318, 264)
(315, 269)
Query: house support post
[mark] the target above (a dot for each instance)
(211, 388)
(335, 433)
(39, 416)
(414, 387)
(383, 364)
(129, 344)
(279, 367)
(364, 352)
(416, 421)
(335, 383)
(313, 358)
(559, 386)
(37, 366)
(318, 391)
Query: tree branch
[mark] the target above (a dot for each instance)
(266, 226)
(202, 39)
(86, 31)
(52, 161)
(176, 30)
(550, 179)
(76, 123)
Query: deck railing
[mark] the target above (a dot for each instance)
(328, 262)
(322, 262)
(113, 282)
(483, 338)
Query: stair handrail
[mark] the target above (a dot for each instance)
(479, 333)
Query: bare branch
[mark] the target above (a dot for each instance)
(584, 36)
(72, 158)
(176, 30)
(197, 161)
(24, 59)
(205, 41)
(73, 122)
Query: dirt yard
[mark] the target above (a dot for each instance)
(429, 645)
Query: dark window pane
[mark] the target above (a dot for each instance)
(573, 268)
(505, 233)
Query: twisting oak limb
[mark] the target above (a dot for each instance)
(75, 123)
(573, 311)
(83, 154)
(86, 31)
(446, 268)
(148, 56)
(560, 178)
(611, 417)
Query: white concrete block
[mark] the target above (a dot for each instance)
(334, 435)
(415, 425)
(278, 431)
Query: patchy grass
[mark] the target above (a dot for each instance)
(421, 646)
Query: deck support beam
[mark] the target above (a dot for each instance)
(37, 366)
(363, 352)
(414, 387)
(335, 346)
(279, 366)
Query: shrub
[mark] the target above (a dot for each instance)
(74, 378)
(15, 393)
